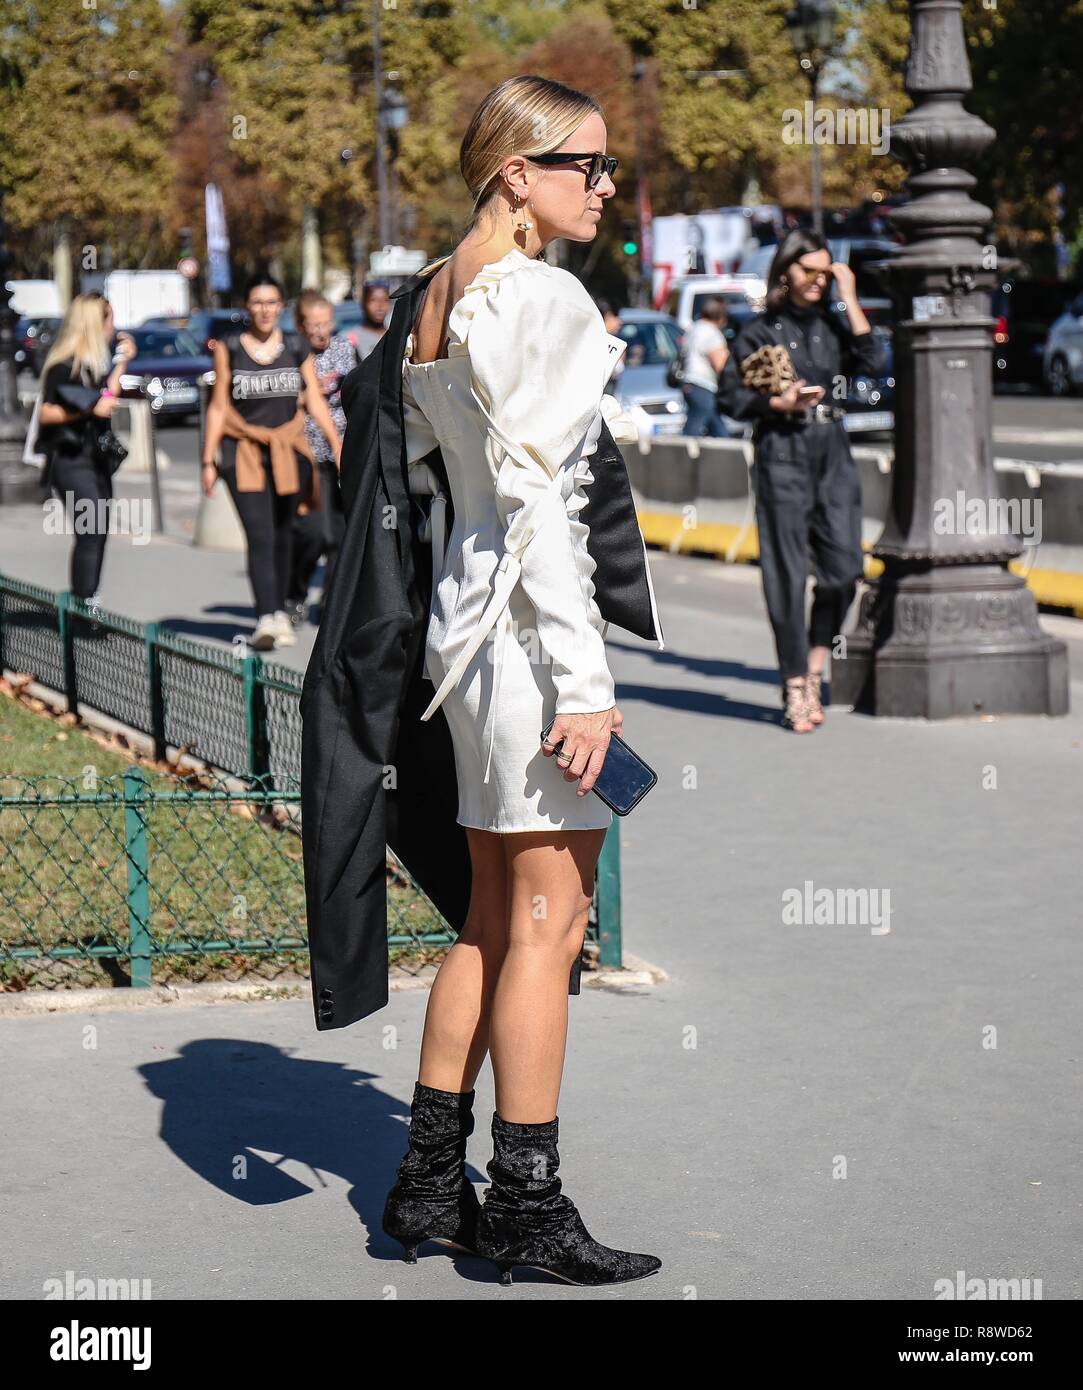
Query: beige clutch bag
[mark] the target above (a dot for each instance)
(769, 369)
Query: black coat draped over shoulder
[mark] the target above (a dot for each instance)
(372, 773)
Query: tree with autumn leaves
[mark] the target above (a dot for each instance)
(116, 115)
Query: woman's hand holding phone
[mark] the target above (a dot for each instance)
(799, 395)
(585, 738)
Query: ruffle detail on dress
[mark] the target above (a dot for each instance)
(458, 324)
(621, 425)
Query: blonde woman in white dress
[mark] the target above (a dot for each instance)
(505, 373)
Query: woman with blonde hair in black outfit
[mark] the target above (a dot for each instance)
(80, 390)
(505, 373)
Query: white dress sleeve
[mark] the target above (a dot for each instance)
(538, 361)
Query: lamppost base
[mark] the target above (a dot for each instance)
(950, 643)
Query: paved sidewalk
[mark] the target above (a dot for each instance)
(204, 594)
(706, 1119)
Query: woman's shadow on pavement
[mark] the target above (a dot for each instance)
(225, 1098)
(710, 702)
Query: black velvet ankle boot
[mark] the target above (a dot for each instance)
(527, 1220)
(432, 1199)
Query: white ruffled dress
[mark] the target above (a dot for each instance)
(515, 636)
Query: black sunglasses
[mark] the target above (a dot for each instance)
(600, 164)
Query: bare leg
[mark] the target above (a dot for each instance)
(456, 1036)
(550, 885)
(817, 656)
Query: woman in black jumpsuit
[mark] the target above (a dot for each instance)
(808, 495)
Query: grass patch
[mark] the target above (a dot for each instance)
(226, 877)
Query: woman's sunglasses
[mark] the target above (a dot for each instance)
(814, 272)
(600, 164)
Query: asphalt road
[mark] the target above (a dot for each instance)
(1037, 429)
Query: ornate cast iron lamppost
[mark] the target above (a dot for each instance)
(947, 629)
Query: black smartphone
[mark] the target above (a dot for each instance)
(625, 779)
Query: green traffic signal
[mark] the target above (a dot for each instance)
(630, 248)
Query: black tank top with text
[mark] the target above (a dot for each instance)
(266, 395)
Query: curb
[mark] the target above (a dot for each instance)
(34, 1003)
(1061, 589)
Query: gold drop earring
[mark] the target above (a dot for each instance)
(525, 225)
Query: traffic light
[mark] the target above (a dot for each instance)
(631, 238)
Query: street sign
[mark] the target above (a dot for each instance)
(396, 260)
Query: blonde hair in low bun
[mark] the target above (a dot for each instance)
(523, 115)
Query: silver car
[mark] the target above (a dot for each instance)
(1062, 357)
(641, 387)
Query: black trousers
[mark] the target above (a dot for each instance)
(318, 533)
(76, 479)
(267, 518)
(808, 508)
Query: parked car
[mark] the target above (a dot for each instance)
(167, 370)
(206, 326)
(641, 388)
(859, 253)
(1025, 310)
(348, 314)
(181, 322)
(1062, 356)
(870, 404)
(33, 339)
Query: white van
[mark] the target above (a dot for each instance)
(738, 292)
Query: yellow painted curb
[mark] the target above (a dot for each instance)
(667, 531)
(1056, 588)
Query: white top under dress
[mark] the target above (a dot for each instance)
(515, 636)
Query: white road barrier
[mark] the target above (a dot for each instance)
(218, 527)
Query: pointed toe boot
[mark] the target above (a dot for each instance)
(432, 1199)
(527, 1220)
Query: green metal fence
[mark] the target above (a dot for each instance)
(232, 711)
(137, 874)
(114, 875)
